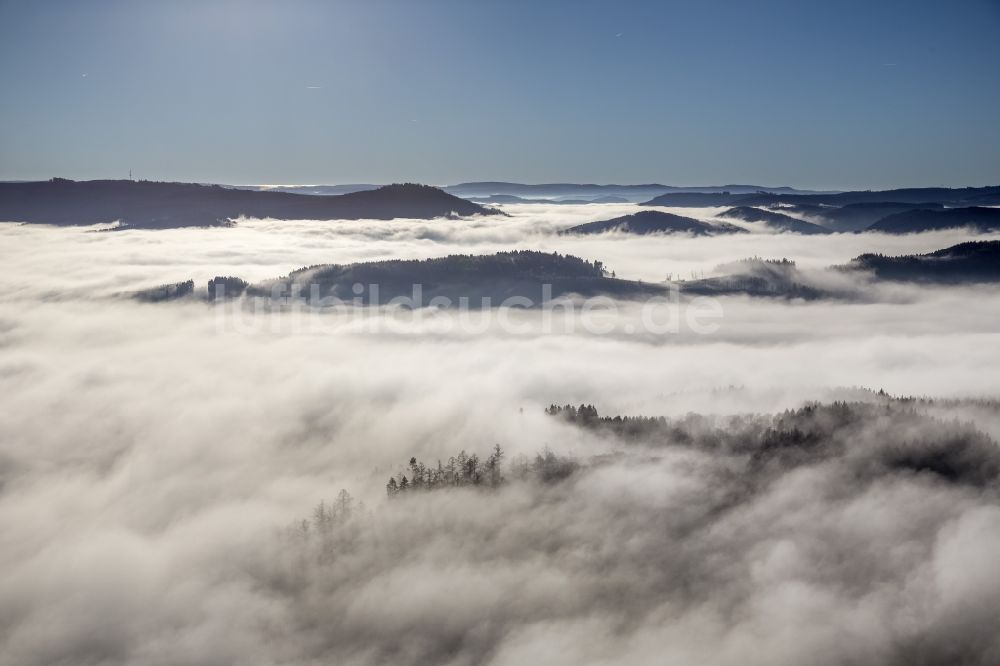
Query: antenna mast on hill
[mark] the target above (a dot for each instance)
(130, 174)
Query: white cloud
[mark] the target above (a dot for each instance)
(148, 454)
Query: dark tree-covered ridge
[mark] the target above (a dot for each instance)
(966, 263)
(975, 261)
(870, 439)
(226, 286)
(775, 220)
(505, 264)
(959, 196)
(165, 292)
(525, 274)
(654, 222)
(469, 470)
(980, 218)
(889, 211)
(157, 205)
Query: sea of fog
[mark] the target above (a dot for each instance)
(152, 455)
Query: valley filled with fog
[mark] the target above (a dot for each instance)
(162, 462)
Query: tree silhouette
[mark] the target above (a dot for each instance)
(344, 505)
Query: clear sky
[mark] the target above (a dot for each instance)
(813, 94)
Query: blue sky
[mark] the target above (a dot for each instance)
(811, 94)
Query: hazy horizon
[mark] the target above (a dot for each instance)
(349, 181)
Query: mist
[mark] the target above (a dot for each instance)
(155, 454)
(260, 249)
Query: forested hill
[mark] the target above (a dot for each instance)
(980, 218)
(155, 205)
(889, 211)
(654, 222)
(964, 263)
(889, 438)
(777, 221)
(965, 196)
(525, 274)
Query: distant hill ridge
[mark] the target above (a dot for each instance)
(966, 196)
(654, 222)
(591, 191)
(912, 221)
(860, 210)
(777, 221)
(159, 205)
(503, 187)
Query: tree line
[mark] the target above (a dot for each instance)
(326, 516)
(469, 470)
(883, 437)
(460, 470)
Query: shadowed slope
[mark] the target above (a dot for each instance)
(963, 263)
(913, 221)
(151, 205)
(654, 222)
(520, 274)
(777, 221)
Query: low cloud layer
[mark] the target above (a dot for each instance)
(44, 261)
(153, 456)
